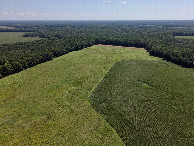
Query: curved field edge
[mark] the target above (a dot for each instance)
(49, 104)
(147, 102)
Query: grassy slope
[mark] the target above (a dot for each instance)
(184, 37)
(148, 102)
(13, 37)
(49, 104)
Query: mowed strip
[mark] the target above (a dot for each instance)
(148, 102)
(49, 104)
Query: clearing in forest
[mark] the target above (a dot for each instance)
(184, 37)
(7, 27)
(14, 37)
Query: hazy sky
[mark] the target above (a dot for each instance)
(96, 9)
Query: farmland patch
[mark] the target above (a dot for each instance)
(13, 37)
(184, 37)
(147, 102)
(6, 27)
(49, 104)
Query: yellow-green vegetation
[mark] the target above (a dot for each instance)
(49, 103)
(148, 102)
(184, 37)
(6, 27)
(13, 37)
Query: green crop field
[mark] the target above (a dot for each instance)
(148, 102)
(49, 103)
(13, 37)
(184, 37)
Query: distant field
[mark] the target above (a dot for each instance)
(6, 27)
(49, 103)
(13, 37)
(147, 102)
(184, 37)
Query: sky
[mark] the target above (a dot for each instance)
(96, 9)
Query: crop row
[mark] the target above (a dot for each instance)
(160, 114)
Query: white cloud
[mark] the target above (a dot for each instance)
(107, 1)
(53, 14)
(20, 14)
(45, 14)
(31, 14)
(86, 15)
(4, 13)
(24, 13)
(124, 2)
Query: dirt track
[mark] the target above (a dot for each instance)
(120, 47)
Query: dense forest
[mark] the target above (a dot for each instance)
(61, 37)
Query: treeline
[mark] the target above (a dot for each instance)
(183, 32)
(19, 56)
(65, 37)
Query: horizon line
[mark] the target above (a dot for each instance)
(105, 20)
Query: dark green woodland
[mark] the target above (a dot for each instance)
(61, 37)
